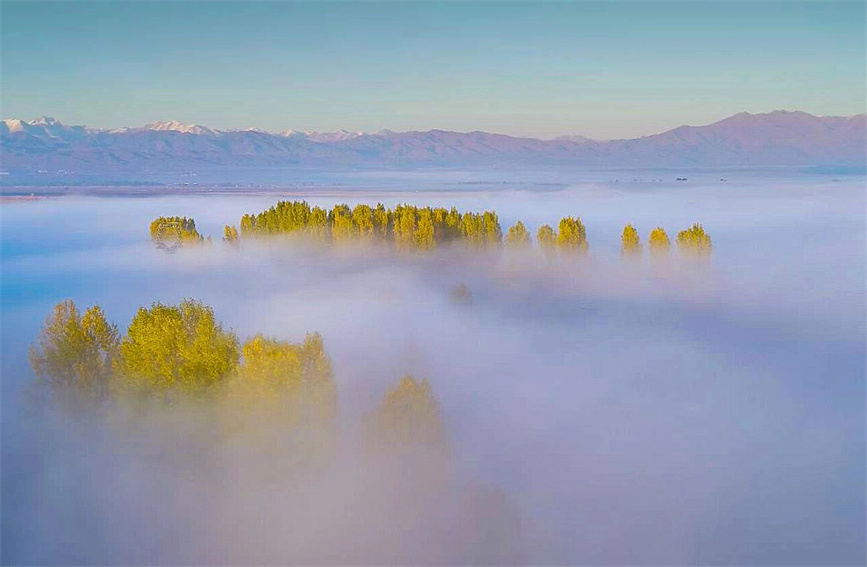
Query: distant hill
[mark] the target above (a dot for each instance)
(776, 138)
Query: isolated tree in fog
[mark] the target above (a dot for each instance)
(547, 238)
(518, 237)
(572, 235)
(294, 378)
(74, 353)
(694, 241)
(180, 348)
(659, 242)
(408, 416)
(173, 232)
(630, 242)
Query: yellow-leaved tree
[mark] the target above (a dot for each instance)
(179, 349)
(230, 234)
(630, 242)
(518, 237)
(547, 238)
(694, 241)
(572, 236)
(660, 245)
(74, 354)
(407, 419)
(169, 233)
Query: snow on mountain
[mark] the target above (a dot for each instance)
(775, 138)
(175, 126)
(336, 136)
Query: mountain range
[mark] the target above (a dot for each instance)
(786, 138)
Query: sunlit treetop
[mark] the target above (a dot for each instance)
(518, 237)
(177, 348)
(659, 242)
(630, 242)
(694, 241)
(572, 236)
(173, 232)
(408, 417)
(74, 354)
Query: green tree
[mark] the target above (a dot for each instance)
(571, 235)
(74, 354)
(630, 245)
(694, 241)
(518, 237)
(177, 348)
(547, 238)
(659, 242)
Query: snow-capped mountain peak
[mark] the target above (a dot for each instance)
(175, 126)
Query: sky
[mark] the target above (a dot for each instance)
(604, 70)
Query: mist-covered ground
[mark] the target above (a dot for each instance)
(628, 414)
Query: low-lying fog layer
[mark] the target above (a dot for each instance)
(597, 411)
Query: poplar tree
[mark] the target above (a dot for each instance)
(74, 354)
(630, 242)
(659, 243)
(694, 241)
(518, 237)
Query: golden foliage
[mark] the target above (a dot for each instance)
(75, 353)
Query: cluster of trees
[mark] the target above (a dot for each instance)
(406, 225)
(693, 241)
(181, 352)
(174, 232)
(421, 228)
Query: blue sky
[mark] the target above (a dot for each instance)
(606, 70)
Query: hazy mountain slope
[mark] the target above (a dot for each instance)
(776, 138)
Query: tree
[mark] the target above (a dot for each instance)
(630, 242)
(547, 238)
(74, 354)
(169, 233)
(572, 236)
(659, 242)
(461, 295)
(177, 348)
(317, 223)
(424, 233)
(362, 218)
(492, 231)
(404, 225)
(293, 378)
(230, 234)
(381, 220)
(408, 417)
(694, 241)
(342, 227)
(518, 237)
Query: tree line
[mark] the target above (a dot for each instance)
(423, 228)
(175, 353)
(693, 241)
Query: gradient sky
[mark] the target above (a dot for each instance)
(605, 70)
